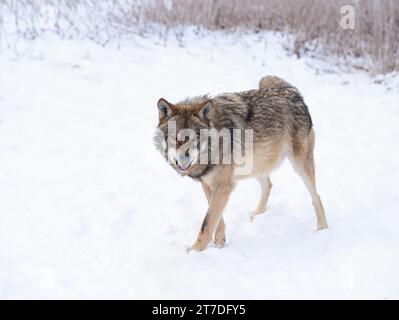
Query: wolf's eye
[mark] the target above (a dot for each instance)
(205, 111)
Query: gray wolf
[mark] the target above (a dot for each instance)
(281, 127)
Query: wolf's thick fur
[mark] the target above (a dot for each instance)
(281, 125)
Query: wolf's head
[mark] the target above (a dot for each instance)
(178, 133)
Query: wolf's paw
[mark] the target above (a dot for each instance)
(220, 242)
(198, 246)
(322, 226)
(253, 214)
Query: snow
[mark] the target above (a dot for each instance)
(89, 209)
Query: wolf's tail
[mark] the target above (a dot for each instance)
(272, 81)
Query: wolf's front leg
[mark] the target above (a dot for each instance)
(218, 201)
(220, 234)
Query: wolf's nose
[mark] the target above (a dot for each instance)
(183, 159)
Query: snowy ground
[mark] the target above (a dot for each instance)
(88, 209)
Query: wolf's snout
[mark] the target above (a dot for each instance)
(183, 160)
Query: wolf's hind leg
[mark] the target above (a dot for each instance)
(303, 163)
(266, 186)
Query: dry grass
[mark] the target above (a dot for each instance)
(315, 24)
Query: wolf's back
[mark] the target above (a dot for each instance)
(288, 101)
(273, 81)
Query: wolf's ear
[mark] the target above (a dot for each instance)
(164, 109)
(205, 109)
